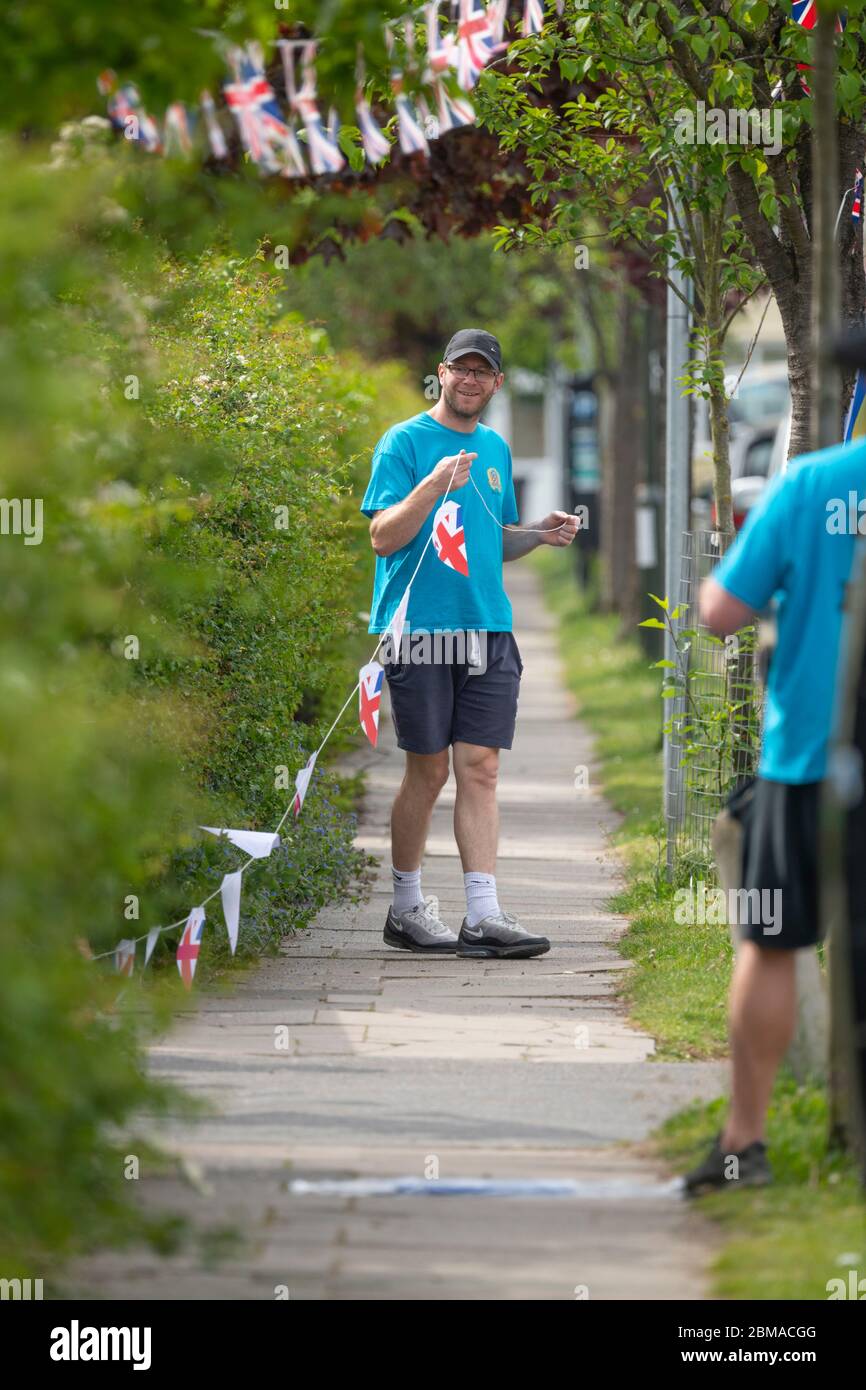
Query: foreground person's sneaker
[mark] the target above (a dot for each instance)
(419, 929)
(748, 1168)
(500, 935)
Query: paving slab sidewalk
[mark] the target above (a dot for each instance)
(342, 1058)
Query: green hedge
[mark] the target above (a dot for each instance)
(158, 499)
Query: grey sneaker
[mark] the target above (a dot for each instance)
(500, 935)
(719, 1170)
(420, 929)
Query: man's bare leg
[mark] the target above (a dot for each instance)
(763, 1017)
(476, 814)
(423, 780)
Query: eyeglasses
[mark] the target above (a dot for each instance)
(481, 374)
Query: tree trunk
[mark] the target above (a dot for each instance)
(720, 429)
(826, 384)
(619, 569)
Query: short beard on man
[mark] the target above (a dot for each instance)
(461, 406)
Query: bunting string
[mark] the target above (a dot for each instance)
(473, 37)
(448, 539)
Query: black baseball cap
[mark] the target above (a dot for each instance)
(475, 340)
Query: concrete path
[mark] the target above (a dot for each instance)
(343, 1058)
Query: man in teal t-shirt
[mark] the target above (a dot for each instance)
(796, 548)
(454, 681)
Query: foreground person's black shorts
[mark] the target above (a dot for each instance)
(439, 702)
(780, 860)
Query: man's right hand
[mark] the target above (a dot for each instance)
(440, 477)
(394, 527)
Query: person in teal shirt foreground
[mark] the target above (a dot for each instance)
(797, 548)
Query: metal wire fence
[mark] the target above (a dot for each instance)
(713, 708)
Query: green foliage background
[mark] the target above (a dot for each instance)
(161, 410)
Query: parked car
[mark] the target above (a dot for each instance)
(758, 409)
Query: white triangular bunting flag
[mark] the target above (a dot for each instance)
(150, 943)
(369, 698)
(256, 843)
(124, 957)
(398, 622)
(302, 781)
(230, 888)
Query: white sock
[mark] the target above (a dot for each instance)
(481, 899)
(407, 889)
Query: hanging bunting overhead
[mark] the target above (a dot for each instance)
(324, 153)
(376, 145)
(216, 139)
(127, 114)
(178, 131)
(451, 111)
(269, 140)
(497, 13)
(474, 43)
(411, 135)
(533, 18)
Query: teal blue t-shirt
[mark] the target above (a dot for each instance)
(798, 546)
(443, 599)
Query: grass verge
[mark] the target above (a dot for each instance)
(787, 1241)
(679, 983)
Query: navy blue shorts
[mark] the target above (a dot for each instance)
(437, 702)
(780, 862)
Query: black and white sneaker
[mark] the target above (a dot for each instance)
(748, 1168)
(420, 929)
(500, 935)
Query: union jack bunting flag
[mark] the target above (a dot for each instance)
(857, 204)
(124, 957)
(302, 781)
(270, 141)
(474, 43)
(412, 137)
(441, 48)
(533, 17)
(369, 697)
(805, 12)
(497, 13)
(177, 130)
(326, 157)
(217, 141)
(188, 947)
(449, 539)
(127, 114)
(451, 112)
(409, 129)
(376, 145)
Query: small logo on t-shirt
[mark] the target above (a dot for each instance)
(494, 480)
